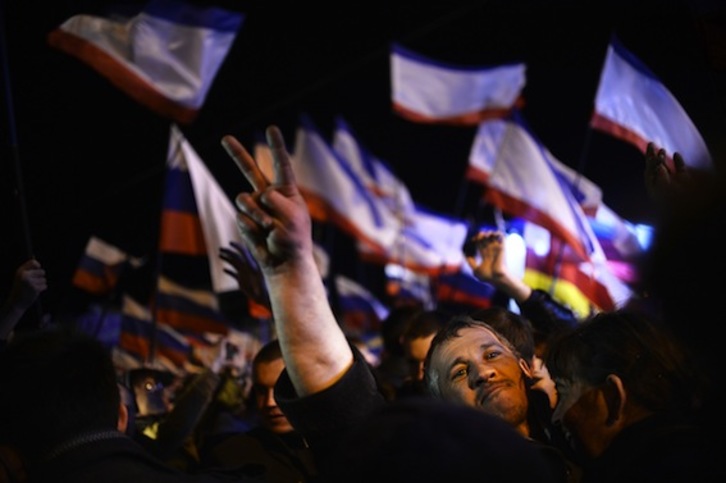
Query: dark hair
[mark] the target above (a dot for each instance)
(424, 324)
(56, 384)
(634, 346)
(516, 328)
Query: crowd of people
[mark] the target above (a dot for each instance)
(631, 394)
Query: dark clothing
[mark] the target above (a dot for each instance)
(326, 417)
(286, 457)
(112, 457)
(657, 450)
(547, 315)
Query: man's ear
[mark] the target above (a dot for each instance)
(615, 396)
(526, 368)
(123, 417)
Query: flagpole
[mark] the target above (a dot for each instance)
(19, 190)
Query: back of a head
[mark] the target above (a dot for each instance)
(56, 385)
(427, 440)
(634, 346)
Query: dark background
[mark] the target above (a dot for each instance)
(91, 160)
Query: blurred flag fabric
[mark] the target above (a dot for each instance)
(165, 57)
(373, 172)
(360, 311)
(100, 267)
(426, 242)
(632, 104)
(197, 217)
(425, 90)
(585, 286)
(334, 194)
(520, 179)
(462, 291)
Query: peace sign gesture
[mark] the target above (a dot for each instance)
(273, 219)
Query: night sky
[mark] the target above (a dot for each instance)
(92, 160)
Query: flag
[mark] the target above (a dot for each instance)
(166, 57)
(462, 291)
(100, 267)
(632, 104)
(425, 90)
(197, 215)
(360, 312)
(584, 286)
(426, 242)
(335, 194)
(520, 179)
(373, 172)
(151, 342)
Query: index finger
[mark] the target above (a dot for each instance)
(284, 174)
(245, 162)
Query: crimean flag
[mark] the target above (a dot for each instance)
(522, 181)
(335, 194)
(429, 91)
(166, 56)
(632, 104)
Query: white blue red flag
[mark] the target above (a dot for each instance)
(632, 104)
(165, 57)
(425, 90)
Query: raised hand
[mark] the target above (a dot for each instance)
(273, 220)
(488, 264)
(661, 181)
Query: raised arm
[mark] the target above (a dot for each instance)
(275, 224)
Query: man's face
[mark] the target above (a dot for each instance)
(478, 369)
(415, 351)
(264, 377)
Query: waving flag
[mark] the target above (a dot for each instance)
(335, 194)
(198, 217)
(373, 172)
(100, 267)
(520, 179)
(633, 105)
(428, 91)
(360, 311)
(166, 57)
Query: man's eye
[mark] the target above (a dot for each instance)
(458, 374)
(492, 355)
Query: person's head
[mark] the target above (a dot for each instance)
(416, 340)
(518, 330)
(613, 370)
(472, 364)
(56, 385)
(267, 366)
(393, 327)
